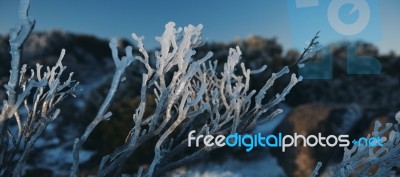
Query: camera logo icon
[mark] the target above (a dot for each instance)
(337, 20)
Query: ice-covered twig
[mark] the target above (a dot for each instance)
(310, 50)
(103, 114)
(18, 35)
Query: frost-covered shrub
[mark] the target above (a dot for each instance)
(374, 161)
(190, 94)
(32, 97)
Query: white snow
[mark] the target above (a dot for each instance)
(235, 168)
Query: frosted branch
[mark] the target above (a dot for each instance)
(102, 114)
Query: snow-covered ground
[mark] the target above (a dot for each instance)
(265, 166)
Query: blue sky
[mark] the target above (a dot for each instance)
(223, 20)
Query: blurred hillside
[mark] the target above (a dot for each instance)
(90, 59)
